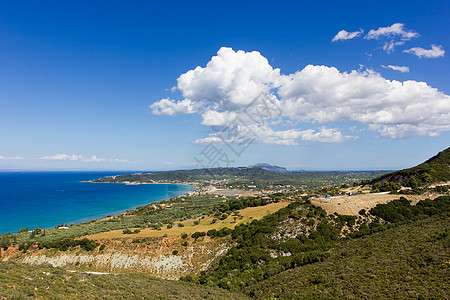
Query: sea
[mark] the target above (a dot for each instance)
(46, 199)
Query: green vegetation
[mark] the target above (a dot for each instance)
(267, 247)
(402, 211)
(263, 249)
(153, 215)
(435, 169)
(404, 262)
(18, 281)
(394, 250)
(63, 245)
(386, 187)
(248, 178)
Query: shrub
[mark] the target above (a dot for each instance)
(175, 252)
(212, 233)
(198, 234)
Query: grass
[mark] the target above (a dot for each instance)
(248, 214)
(18, 281)
(182, 208)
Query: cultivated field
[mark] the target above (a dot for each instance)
(351, 205)
(245, 215)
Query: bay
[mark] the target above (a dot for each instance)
(46, 199)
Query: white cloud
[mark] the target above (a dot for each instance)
(323, 94)
(402, 69)
(172, 108)
(395, 30)
(435, 51)
(344, 35)
(224, 94)
(94, 158)
(325, 135)
(10, 157)
(62, 157)
(75, 157)
(389, 46)
(391, 36)
(215, 118)
(249, 133)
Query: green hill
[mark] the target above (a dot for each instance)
(435, 169)
(19, 281)
(246, 175)
(405, 262)
(302, 253)
(271, 168)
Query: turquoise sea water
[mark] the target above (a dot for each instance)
(46, 199)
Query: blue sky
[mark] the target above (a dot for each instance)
(96, 85)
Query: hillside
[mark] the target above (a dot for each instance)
(270, 168)
(435, 169)
(394, 248)
(405, 262)
(20, 281)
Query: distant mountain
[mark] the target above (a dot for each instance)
(270, 168)
(435, 169)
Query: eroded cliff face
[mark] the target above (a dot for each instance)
(164, 257)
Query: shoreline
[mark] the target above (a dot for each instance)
(121, 212)
(139, 183)
(96, 210)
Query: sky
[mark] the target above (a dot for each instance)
(140, 85)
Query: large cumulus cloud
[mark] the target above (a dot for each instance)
(307, 103)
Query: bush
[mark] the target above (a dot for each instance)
(212, 233)
(184, 235)
(198, 234)
(175, 252)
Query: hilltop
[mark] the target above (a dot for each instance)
(271, 168)
(434, 170)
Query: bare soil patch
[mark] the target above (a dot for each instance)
(351, 205)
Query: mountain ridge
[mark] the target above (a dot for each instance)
(269, 167)
(433, 170)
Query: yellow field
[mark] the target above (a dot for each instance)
(351, 205)
(248, 214)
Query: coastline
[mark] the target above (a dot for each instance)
(122, 211)
(60, 197)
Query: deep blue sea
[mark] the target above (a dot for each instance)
(46, 199)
